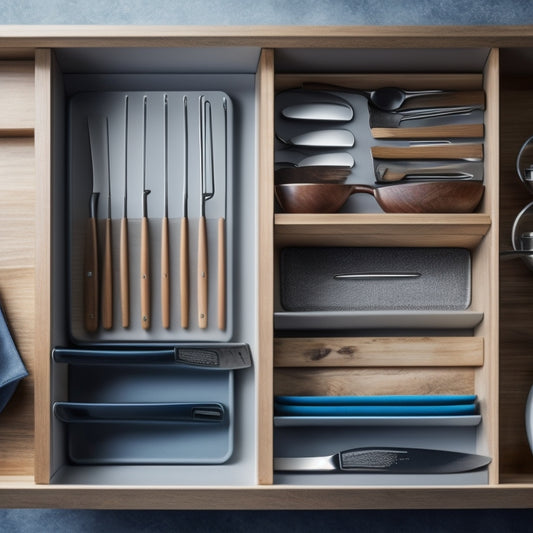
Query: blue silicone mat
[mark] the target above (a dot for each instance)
(375, 410)
(452, 399)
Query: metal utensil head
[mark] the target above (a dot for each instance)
(385, 119)
(206, 152)
(338, 138)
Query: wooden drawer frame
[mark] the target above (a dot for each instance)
(25, 482)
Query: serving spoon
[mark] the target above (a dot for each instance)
(393, 98)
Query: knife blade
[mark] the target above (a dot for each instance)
(227, 356)
(386, 460)
(72, 412)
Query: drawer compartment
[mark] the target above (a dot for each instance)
(121, 144)
(147, 441)
(350, 279)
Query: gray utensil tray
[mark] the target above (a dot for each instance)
(385, 278)
(111, 104)
(150, 443)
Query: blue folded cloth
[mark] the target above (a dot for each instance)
(12, 369)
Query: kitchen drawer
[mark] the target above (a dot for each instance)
(488, 358)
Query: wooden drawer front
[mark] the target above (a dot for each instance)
(17, 100)
(17, 270)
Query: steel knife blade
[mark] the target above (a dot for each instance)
(390, 460)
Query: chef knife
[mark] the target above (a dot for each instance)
(227, 356)
(72, 412)
(389, 460)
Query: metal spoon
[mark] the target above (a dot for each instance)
(384, 98)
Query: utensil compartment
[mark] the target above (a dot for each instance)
(341, 393)
(146, 414)
(151, 156)
(434, 149)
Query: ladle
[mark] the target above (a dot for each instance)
(393, 98)
(419, 197)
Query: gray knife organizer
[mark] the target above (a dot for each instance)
(118, 145)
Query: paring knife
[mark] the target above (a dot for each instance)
(90, 268)
(227, 356)
(467, 151)
(386, 460)
(72, 412)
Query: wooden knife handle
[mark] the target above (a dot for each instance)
(145, 275)
(445, 151)
(221, 259)
(184, 272)
(124, 274)
(447, 98)
(90, 278)
(107, 279)
(202, 273)
(431, 132)
(165, 275)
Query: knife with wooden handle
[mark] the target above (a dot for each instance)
(90, 270)
(107, 274)
(221, 255)
(145, 241)
(90, 267)
(124, 245)
(165, 258)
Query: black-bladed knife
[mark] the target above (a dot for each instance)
(227, 356)
(386, 460)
